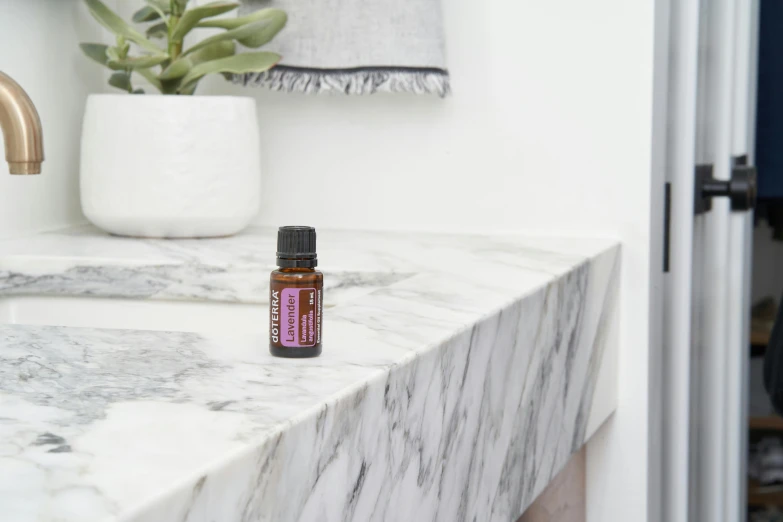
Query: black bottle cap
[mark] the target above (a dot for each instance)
(296, 247)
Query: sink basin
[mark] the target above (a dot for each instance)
(96, 312)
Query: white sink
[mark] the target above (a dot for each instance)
(92, 312)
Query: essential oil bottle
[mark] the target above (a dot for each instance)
(296, 295)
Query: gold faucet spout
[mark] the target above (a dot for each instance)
(21, 126)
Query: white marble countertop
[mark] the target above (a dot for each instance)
(458, 375)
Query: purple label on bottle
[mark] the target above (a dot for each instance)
(298, 321)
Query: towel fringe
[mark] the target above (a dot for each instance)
(351, 81)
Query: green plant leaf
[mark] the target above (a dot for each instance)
(190, 89)
(254, 34)
(121, 80)
(178, 7)
(162, 7)
(213, 52)
(238, 64)
(95, 52)
(193, 16)
(111, 21)
(177, 69)
(265, 33)
(181, 66)
(233, 23)
(137, 62)
(160, 30)
(113, 54)
(169, 86)
(146, 14)
(123, 47)
(151, 78)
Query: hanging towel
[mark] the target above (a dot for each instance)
(356, 47)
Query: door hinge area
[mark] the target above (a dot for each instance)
(667, 225)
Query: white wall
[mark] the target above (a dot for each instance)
(39, 49)
(548, 95)
(549, 130)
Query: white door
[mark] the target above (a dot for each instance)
(711, 116)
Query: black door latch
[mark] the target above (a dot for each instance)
(740, 189)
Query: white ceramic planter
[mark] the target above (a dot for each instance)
(170, 166)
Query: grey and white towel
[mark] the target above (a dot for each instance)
(356, 47)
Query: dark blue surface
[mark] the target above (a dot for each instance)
(769, 109)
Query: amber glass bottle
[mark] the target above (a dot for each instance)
(296, 295)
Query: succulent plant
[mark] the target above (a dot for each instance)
(172, 68)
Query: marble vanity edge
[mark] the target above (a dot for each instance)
(249, 480)
(194, 282)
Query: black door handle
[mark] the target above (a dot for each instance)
(740, 189)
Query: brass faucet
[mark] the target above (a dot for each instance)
(21, 128)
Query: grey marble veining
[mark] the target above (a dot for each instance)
(459, 374)
(187, 282)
